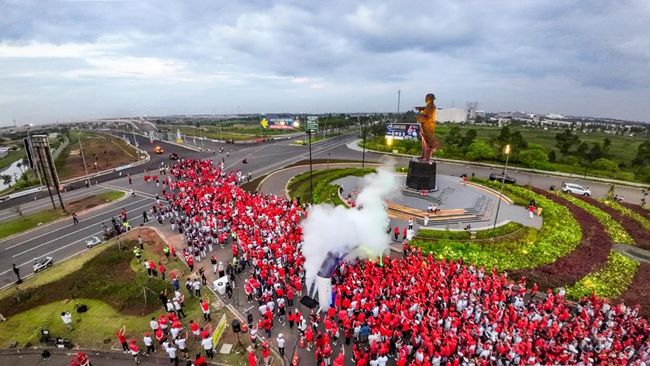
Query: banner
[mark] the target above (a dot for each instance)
(403, 131)
(279, 123)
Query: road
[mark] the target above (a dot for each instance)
(62, 239)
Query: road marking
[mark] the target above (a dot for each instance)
(44, 202)
(85, 218)
(66, 235)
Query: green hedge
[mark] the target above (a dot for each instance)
(629, 213)
(559, 235)
(324, 192)
(508, 228)
(610, 281)
(613, 228)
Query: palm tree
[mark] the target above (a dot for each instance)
(6, 179)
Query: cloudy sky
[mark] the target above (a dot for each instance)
(69, 60)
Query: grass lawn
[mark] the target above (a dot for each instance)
(112, 285)
(236, 132)
(324, 192)
(29, 221)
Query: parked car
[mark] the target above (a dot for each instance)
(158, 150)
(41, 264)
(505, 178)
(173, 156)
(576, 189)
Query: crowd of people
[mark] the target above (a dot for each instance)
(414, 309)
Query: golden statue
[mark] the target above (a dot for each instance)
(427, 119)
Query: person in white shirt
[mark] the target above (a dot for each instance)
(181, 342)
(148, 342)
(281, 341)
(207, 346)
(382, 360)
(153, 323)
(66, 317)
(171, 352)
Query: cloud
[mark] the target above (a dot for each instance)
(288, 55)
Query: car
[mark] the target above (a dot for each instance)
(505, 178)
(158, 150)
(173, 156)
(576, 189)
(92, 242)
(41, 264)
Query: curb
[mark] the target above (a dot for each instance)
(354, 146)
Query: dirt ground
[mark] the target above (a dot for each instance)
(107, 151)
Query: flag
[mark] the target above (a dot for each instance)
(264, 123)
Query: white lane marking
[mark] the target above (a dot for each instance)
(68, 234)
(61, 228)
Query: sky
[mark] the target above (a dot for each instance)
(74, 60)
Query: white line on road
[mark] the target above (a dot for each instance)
(85, 219)
(66, 235)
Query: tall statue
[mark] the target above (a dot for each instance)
(427, 119)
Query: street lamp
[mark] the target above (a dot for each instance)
(363, 157)
(506, 150)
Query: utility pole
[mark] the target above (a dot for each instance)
(399, 95)
(83, 158)
(363, 157)
(41, 163)
(311, 181)
(503, 181)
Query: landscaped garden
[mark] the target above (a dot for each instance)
(324, 192)
(115, 288)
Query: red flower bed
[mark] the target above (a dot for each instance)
(638, 209)
(639, 290)
(590, 255)
(640, 235)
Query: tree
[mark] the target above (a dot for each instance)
(551, 156)
(605, 164)
(480, 150)
(470, 137)
(504, 136)
(642, 155)
(595, 153)
(606, 144)
(534, 158)
(518, 141)
(566, 140)
(6, 179)
(582, 149)
(454, 137)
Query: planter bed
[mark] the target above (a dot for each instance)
(638, 209)
(640, 234)
(639, 290)
(589, 256)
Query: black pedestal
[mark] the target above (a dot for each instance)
(421, 175)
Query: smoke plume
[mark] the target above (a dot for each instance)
(350, 232)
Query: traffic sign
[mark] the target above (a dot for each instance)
(312, 123)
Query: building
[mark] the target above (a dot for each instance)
(454, 115)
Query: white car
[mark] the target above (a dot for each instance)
(576, 189)
(92, 242)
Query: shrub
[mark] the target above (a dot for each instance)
(610, 281)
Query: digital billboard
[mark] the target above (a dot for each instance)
(403, 131)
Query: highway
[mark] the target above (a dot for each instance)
(62, 239)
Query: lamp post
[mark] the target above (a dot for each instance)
(506, 150)
(311, 182)
(363, 156)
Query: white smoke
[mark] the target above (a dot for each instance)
(352, 232)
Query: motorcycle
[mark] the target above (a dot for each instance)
(245, 161)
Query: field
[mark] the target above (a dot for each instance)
(113, 285)
(236, 132)
(621, 152)
(107, 152)
(29, 221)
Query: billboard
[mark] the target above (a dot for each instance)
(279, 123)
(312, 123)
(403, 131)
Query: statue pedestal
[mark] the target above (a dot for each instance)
(421, 175)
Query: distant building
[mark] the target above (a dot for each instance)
(454, 115)
(555, 116)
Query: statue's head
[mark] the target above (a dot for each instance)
(429, 98)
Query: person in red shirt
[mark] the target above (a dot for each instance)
(200, 360)
(162, 270)
(252, 359)
(135, 351)
(122, 338)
